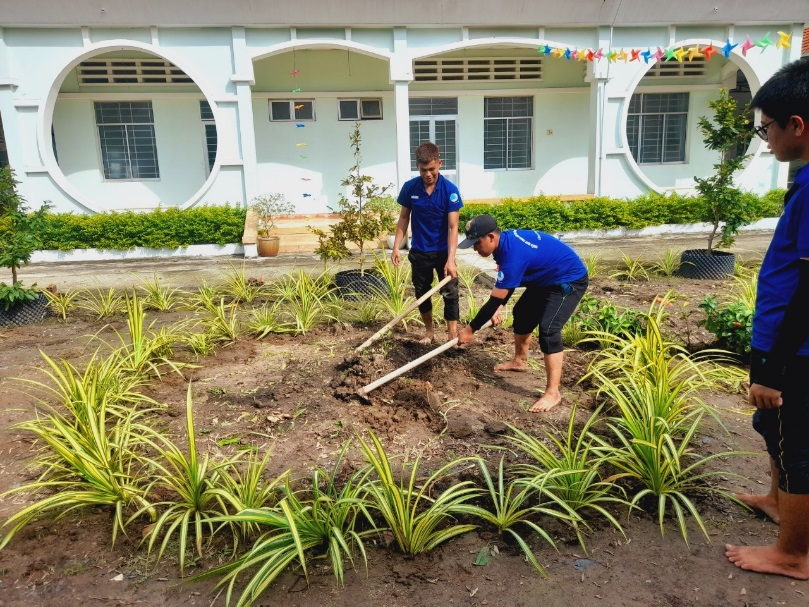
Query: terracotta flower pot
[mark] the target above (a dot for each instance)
(268, 245)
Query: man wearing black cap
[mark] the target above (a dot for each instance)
(555, 280)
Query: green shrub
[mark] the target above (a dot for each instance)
(599, 315)
(732, 324)
(162, 228)
(550, 214)
(10, 296)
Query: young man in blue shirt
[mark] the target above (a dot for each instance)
(430, 203)
(555, 280)
(779, 361)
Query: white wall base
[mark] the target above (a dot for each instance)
(196, 250)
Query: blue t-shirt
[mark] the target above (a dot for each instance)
(778, 277)
(429, 219)
(533, 258)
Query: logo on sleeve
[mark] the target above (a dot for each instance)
(453, 197)
(500, 276)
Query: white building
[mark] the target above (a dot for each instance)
(112, 105)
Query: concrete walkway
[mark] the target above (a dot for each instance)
(191, 272)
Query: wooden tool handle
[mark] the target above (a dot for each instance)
(401, 315)
(412, 364)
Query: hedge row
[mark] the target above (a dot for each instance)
(549, 214)
(163, 228)
(172, 228)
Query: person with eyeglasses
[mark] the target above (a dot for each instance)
(779, 361)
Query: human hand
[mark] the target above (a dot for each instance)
(395, 256)
(450, 269)
(497, 317)
(762, 397)
(466, 336)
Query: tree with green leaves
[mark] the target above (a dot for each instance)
(724, 204)
(21, 234)
(361, 220)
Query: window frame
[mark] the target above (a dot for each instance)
(507, 120)
(101, 145)
(665, 116)
(360, 114)
(292, 111)
(208, 122)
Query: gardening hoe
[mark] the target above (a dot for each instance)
(363, 392)
(404, 313)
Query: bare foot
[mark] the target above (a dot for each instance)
(768, 559)
(764, 503)
(427, 340)
(546, 403)
(512, 365)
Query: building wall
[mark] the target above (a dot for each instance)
(181, 157)
(416, 13)
(579, 133)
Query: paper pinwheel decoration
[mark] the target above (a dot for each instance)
(746, 46)
(693, 53)
(764, 42)
(728, 48)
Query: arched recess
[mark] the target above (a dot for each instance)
(46, 115)
(323, 44)
(553, 153)
(736, 58)
(305, 158)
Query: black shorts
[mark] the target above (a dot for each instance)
(549, 308)
(786, 429)
(424, 266)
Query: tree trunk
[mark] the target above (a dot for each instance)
(712, 237)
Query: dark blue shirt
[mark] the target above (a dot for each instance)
(533, 258)
(429, 214)
(778, 277)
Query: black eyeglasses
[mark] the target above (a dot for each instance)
(761, 130)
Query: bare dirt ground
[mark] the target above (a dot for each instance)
(296, 393)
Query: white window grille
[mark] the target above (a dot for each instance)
(209, 124)
(478, 68)
(359, 109)
(507, 132)
(434, 119)
(656, 127)
(663, 70)
(101, 72)
(127, 138)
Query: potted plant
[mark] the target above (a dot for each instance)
(20, 236)
(268, 207)
(724, 205)
(364, 216)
